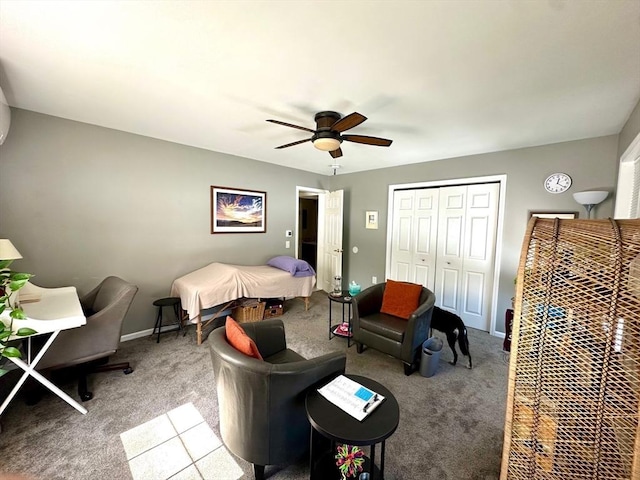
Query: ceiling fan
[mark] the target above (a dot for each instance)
(328, 133)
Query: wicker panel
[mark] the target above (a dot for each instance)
(574, 376)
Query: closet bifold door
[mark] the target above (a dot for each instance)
(574, 375)
(415, 229)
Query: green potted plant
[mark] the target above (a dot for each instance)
(10, 283)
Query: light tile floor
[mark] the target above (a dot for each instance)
(178, 445)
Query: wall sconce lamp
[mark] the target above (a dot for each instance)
(590, 199)
(8, 251)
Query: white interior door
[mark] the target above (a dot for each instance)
(415, 214)
(330, 239)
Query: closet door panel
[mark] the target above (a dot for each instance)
(474, 286)
(451, 231)
(402, 248)
(447, 295)
(478, 254)
(414, 236)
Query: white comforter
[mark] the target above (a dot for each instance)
(219, 283)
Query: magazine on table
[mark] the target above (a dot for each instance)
(352, 397)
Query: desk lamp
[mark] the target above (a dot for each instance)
(7, 252)
(590, 199)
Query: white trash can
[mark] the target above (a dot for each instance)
(430, 357)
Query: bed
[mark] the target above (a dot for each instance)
(222, 284)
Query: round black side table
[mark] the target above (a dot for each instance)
(345, 299)
(167, 302)
(337, 426)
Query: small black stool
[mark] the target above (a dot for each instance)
(166, 302)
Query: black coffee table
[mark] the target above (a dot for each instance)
(337, 426)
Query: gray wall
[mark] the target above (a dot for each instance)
(630, 130)
(81, 202)
(591, 164)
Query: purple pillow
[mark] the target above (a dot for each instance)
(297, 268)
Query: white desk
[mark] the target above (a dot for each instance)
(48, 310)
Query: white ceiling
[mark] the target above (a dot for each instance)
(440, 78)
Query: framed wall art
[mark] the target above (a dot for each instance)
(553, 214)
(234, 210)
(371, 220)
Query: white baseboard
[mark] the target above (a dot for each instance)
(146, 333)
(170, 328)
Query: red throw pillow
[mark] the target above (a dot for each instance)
(400, 299)
(238, 339)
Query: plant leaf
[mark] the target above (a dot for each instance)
(5, 263)
(25, 331)
(3, 371)
(17, 313)
(16, 285)
(2, 305)
(11, 352)
(5, 334)
(20, 276)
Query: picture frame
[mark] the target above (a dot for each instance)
(564, 215)
(235, 210)
(371, 220)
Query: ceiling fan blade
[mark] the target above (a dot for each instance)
(336, 153)
(292, 126)
(294, 143)
(348, 122)
(380, 142)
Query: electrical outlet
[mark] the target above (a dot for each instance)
(374, 280)
(287, 244)
(288, 233)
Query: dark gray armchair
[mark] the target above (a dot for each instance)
(88, 347)
(262, 402)
(389, 334)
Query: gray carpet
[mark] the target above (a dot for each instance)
(451, 424)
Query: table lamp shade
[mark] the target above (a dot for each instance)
(8, 251)
(590, 197)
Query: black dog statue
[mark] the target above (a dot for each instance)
(453, 326)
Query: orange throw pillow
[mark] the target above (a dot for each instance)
(238, 339)
(400, 299)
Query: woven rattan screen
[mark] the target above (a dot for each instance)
(573, 407)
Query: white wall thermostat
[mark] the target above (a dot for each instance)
(557, 183)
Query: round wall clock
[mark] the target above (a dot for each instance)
(557, 183)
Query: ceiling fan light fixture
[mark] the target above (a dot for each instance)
(326, 144)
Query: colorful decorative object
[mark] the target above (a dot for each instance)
(238, 211)
(350, 460)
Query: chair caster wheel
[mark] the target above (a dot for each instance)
(128, 370)
(86, 396)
